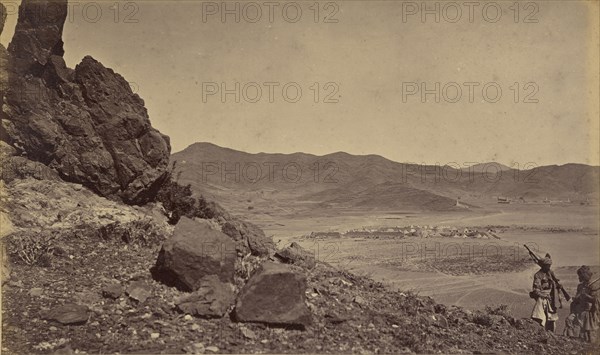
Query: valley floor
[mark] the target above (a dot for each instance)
(428, 266)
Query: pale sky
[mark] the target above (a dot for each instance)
(374, 54)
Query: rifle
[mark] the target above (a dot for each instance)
(554, 278)
(593, 282)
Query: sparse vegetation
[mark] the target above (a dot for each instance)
(178, 201)
(34, 249)
(138, 232)
(483, 319)
(501, 310)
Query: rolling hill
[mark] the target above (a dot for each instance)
(340, 180)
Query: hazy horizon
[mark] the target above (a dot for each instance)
(372, 55)
(465, 163)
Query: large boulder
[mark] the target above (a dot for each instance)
(275, 294)
(86, 123)
(193, 252)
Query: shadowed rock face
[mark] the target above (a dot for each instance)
(3, 59)
(2, 17)
(85, 123)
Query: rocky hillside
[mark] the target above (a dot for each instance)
(82, 280)
(85, 123)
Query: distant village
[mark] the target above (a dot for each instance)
(508, 200)
(410, 231)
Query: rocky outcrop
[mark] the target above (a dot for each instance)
(195, 251)
(20, 168)
(2, 17)
(85, 123)
(275, 294)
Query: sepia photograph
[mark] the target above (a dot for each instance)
(300, 177)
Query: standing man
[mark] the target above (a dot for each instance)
(584, 319)
(544, 293)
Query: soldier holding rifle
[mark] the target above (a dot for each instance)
(546, 289)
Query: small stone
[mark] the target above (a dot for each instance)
(36, 292)
(139, 291)
(248, 333)
(197, 348)
(440, 321)
(188, 317)
(264, 341)
(195, 326)
(359, 300)
(68, 314)
(18, 283)
(212, 349)
(112, 291)
(53, 329)
(154, 335)
(395, 326)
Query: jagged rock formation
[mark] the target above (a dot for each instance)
(2, 17)
(85, 123)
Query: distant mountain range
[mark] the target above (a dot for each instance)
(371, 182)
